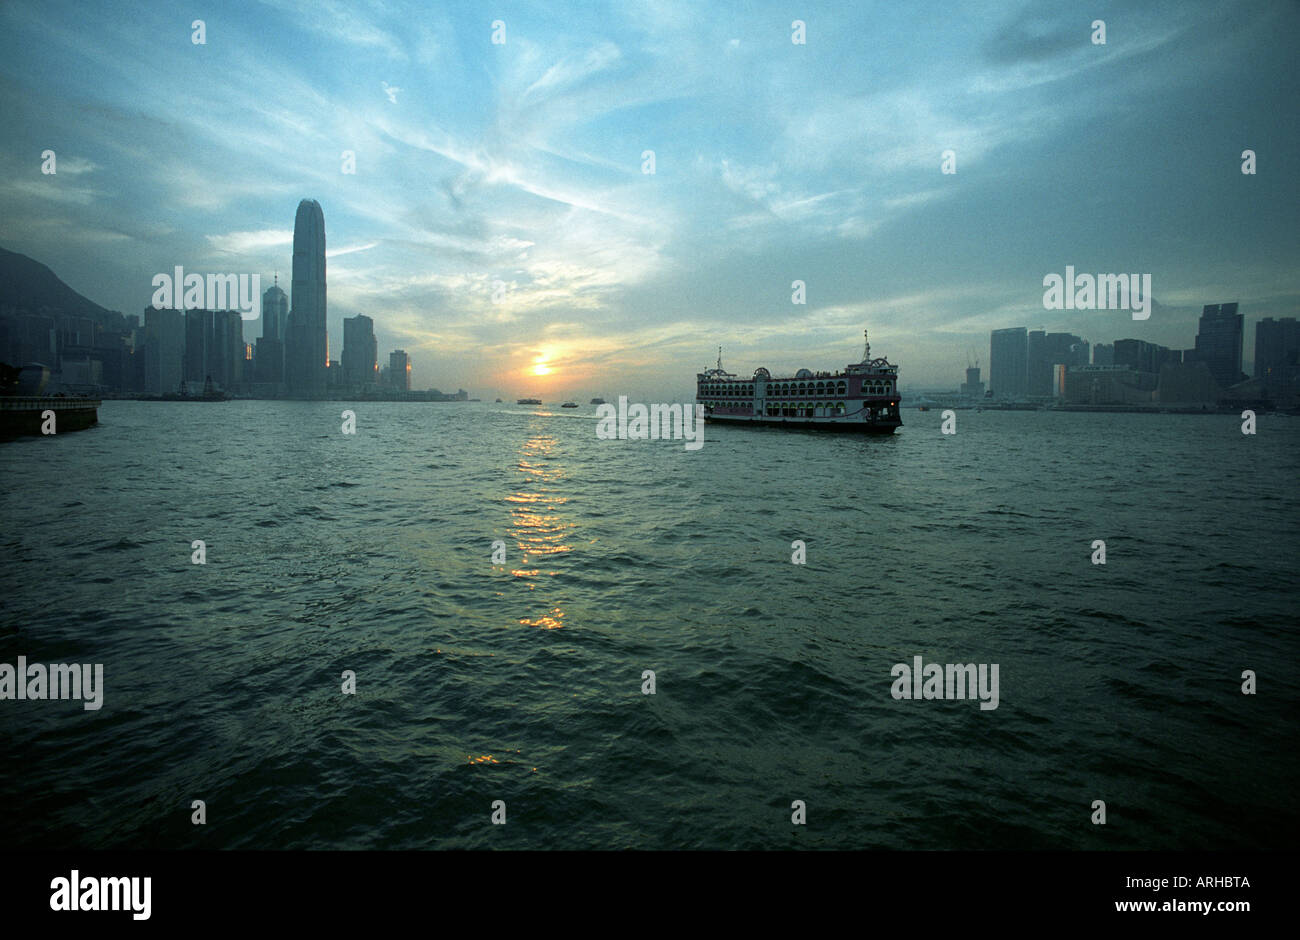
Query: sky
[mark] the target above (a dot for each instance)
(501, 228)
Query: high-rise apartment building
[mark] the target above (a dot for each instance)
(1219, 341)
(164, 350)
(1009, 363)
(360, 351)
(399, 370)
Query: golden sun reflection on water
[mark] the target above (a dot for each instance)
(538, 525)
(546, 621)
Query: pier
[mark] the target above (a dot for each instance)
(22, 414)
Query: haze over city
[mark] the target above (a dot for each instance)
(522, 162)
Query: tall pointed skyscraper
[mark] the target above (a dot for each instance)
(305, 342)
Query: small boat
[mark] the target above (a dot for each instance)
(598, 401)
(570, 404)
(528, 401)
(498, 401)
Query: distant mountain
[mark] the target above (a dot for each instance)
(31, 287)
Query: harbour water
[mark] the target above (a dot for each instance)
(522, 682)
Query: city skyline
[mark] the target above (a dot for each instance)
(1034, 365)
(522, 164)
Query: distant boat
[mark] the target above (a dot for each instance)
(498, 401)
(528, 401)
(570, 404)
(598, 401)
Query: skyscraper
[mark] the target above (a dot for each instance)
(399, 370)
(1141, 356)
(1277, 357)
(306, 346)
(1009, 363)
(1046, 351)
(164, 350)
(1038, 365)
(1218, 342)
(1277, 345)
(268, 362)
(360, 351)
(198, 347)
(275, 311)
(226, 354)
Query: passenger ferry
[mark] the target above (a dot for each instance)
(863, 397)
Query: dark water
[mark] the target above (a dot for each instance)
(522, 683)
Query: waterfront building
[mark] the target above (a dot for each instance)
(1219, 342)
(360, 351)
(275, 311)
(399, 370)
(1277, 358)
(1008, 363)
(1141, 356)
(1046, 351)
(164, 350)
(198, 343)
(306, 347)
(973, 387)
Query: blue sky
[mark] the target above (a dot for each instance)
(521, 163)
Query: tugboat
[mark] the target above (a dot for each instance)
(863, 397)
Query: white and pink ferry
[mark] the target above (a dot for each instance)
(863, 397)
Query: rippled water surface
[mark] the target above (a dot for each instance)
(522, 682)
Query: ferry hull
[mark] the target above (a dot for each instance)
(806, 424)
